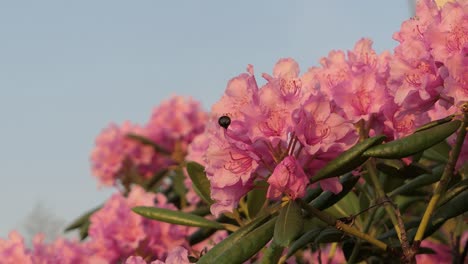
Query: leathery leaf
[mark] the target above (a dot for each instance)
(175, 217)
(348, 160)
(289, 224)
(414, 143)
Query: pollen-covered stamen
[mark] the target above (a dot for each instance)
(290, 88)
(238, 165)
(291, 151)
(456, 39)
(275, 154)
(291, 142)
(413, 79)
(419, 29)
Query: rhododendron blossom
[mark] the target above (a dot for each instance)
(175, 122)
(178, 255)
(115, 154)
(59, 251)
(172, 126)
(289, 178)
(273, 140)
(280, 119)
(117, 233)
(14, 250)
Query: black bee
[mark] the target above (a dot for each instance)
(224, 121)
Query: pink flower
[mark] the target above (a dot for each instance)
(448, 39)
(173, 125)
(136, 260)
(356, 84)
(179, 120)
(449, 35)
(456, 82)
(59, 251)
(116, 232)
(414, 79)
(63, 251)
(14, 250)
(115, 154)
(281, 119)
(241, 92)
(319, 127)
(287, 178)
(426, 13)
(314, 163)
(400, 124)
(443, 253)
(178, 255)
(230, 164)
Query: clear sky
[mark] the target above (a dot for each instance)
(68, 68)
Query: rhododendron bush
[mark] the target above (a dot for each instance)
(362, 158)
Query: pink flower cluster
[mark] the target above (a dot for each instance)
(283, 128)
(293, 125)
(281, 133)
(172, 126)
(178, 255)
(115, 234)
(61, 251)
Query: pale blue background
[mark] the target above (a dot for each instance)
(68, 68)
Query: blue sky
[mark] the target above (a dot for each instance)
(67, 69)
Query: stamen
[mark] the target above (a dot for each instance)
(291, 142)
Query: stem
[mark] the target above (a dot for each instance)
(373, 174)
(444, 180)
(395, 217)
(331, 221)
(371, 169)
(357, 246)
(408, 251)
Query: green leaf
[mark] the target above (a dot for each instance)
(256, 198)
(272, 254)
(414, 143)
(250, 245)
(420, 181)
(84, 229)
(201, 210)
(453, 208)
(456, 206)
(347, 206)
(146, 141)
(329, 235)
(327, 199)
(454, 191)
(312, 194)
(82, 220)
(413, 170)
(227, 243)
(200, 235)
(348, 160)
(438, 152)
(289, 224)
(179, 186)
(435, 123)
(157, 177)
(304, 240)
(201, 184)
(175, 217)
